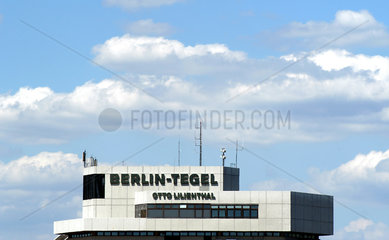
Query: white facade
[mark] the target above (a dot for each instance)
(278, 211)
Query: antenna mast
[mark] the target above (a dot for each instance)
(237, 148)
(200, 144)
(179, 152)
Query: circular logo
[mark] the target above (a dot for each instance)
(110, 119)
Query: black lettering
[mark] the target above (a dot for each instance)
(194, 196)
(115, 179)
(151, 179)
(125, 179)
(213, 181)
(175, 177)
(184, 179)
(169, 196)
(194, 180)
(144, 181)
(160, 179)
(204, 179)
(155, 196)
(213, 196)
(135, 179)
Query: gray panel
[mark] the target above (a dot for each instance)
(230, 179)
(312, 213)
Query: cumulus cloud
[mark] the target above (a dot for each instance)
(362, 229)
(39, 115)
(45, 168)
(362, 179)
(149, 27)
(29, 185)
(136, 4)
(128, 48)
(314, 34)
(315, 84)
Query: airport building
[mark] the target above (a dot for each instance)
(190, 203)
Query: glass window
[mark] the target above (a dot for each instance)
(238, 213)
(115, 233)
(222, 206)
(171, 213)
(192, 233)
(214, 206)
(206, 206)
(214, 213)
(183, 206)
(222, 213)
(187, 213)
(93, 186)
(246, 206)
(199, 206)
(154, 213)
(254, 213)
(230, 213)
(246, 213)
(207, 213)
(230, 206)
(199, 213)
(238, 206)
(254, 206)
(159, 205)
(175, 206)
(136, 233)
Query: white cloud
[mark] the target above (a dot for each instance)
(136, 4)
(142, 49)
(43, 169)
(34, 184)
(358, 225)
(336, 60)
(362, 229)
(149, 27)
(314, 34)
(363, 179)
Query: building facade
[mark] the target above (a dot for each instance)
(190, 202)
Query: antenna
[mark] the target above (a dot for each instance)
(179, 152)
(223, 156)
(237, 148)
(200, 144)
(84, 157)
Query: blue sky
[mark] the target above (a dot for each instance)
(195, 55)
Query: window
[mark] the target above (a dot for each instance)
(195, 211)
(93, 186)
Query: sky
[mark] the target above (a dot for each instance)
(302, 86)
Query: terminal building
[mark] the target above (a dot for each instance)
(190, 203)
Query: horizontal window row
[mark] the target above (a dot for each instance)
(212, 234)
(195, 211)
